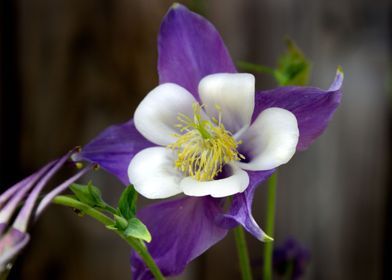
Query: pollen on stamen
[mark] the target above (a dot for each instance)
(204, 147)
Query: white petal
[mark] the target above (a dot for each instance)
(156, 116)
(237, 182)
(234, 93)
(153, 174)
(271, 140)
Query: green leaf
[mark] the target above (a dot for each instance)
(127, 203)
(88, 194)
(293, 67)
(112, 227)
(138, 230)
(121, 222)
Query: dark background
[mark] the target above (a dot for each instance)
(70, 68)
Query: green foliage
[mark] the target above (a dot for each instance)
(120, 222)
(88, 194)
(125, 221)
(137, 229)
(255, 68)
(127, 202)
(292, 67)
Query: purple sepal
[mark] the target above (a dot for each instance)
(240, 211)
(11, 244)
(181, 229)
(190, 48)
(19, 194)
(114, 148)
(22, 219)
(313, 107)
(45, 202)
(13, 236)
(10, 192)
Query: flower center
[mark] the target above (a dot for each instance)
(204, 147)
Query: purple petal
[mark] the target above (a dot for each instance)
(190, 48)
(241, 207)
(114, 148)
(10, 245)
(313, 107)
(22, 220)
(24, 187)
(181, 230)
(59, 189)
(10, 192)
(15, 239)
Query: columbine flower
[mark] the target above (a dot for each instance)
(205, 150)
(13, 224)
(212, 144)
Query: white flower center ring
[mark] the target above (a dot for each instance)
(206, 149)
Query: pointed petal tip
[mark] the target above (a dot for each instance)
(187, 38)
(340, 71)
(176, 5)
(267, 238)
(338, 81)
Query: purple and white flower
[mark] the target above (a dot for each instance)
(205, 149)
(201, 92)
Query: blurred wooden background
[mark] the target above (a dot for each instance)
(70, 68)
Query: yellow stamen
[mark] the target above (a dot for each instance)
(204, 147)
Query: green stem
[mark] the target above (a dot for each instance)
(109, 209)
(256, 68)
(242, 251)
(269, 229)
(86, 209)
(138, 246)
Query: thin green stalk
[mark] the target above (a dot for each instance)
(109, 209)
(269, 229)
(256, 68)
(138, 246)
(242, 251)
(86, 209)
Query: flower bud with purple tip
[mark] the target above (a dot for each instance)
(15, 220)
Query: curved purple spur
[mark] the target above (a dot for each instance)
(14, 222)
